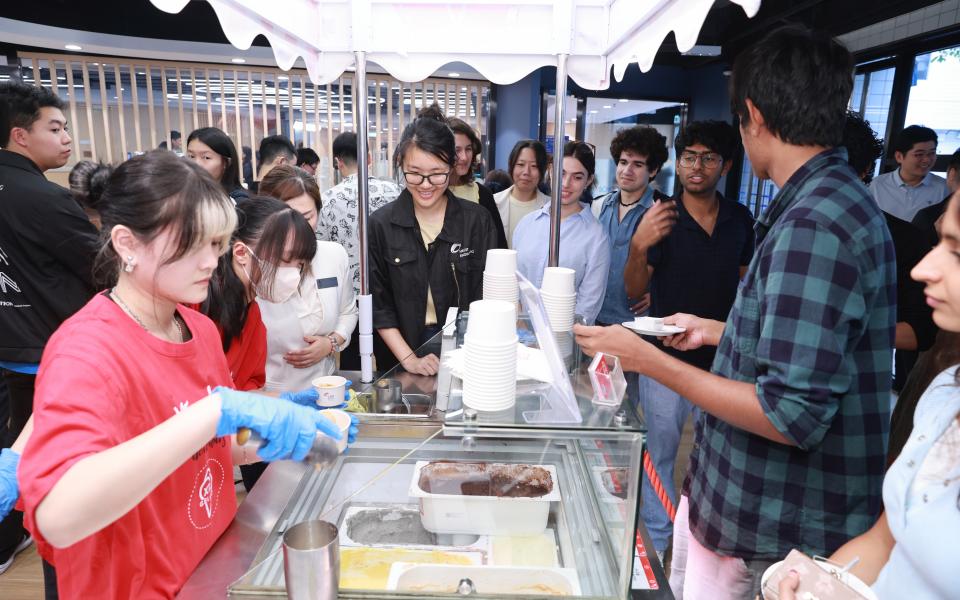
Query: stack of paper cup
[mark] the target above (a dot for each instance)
(500, 276)
(490, 346)
(559, 297)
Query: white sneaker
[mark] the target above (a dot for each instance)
(23, 545)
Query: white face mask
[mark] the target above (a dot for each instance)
(286, 282)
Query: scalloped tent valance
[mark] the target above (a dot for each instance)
(411, 40)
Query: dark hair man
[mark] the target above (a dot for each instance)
(790, 443)
(176, 144)
(338, 219)
(928, 219)
(710, 244)
(275, 150)
(911, 187)
(308, 160)
(47, 247)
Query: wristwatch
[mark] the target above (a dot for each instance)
(335, 347)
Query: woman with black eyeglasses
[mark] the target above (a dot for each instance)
(426, 249)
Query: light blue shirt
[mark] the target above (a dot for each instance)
(904, 201)
(583, 248)
(616, 304)
(926, 526)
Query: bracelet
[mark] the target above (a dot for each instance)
(334, 346)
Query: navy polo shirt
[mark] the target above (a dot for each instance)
(697, 273)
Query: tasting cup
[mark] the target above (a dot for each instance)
(501, 262)
(558, 280)
(331, 388)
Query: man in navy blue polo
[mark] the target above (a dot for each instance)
(694, 268)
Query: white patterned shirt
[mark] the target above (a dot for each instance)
(338, 216)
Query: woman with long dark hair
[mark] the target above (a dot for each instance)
(127, 477)
(427, 248)
(216, 154)
(462, 182)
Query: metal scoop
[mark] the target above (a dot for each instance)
(323, 452)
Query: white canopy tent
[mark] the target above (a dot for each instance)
(585, 39)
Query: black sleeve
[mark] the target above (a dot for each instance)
(384, 307)
(60, 225)
(487, 202)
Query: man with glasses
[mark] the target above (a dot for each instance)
(911, 187)
(692, 267)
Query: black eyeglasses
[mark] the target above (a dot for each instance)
(414, 178)
(707, 159)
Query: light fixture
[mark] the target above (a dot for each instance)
(73, 47)
(593, 112)
(238, 61)
(608, 106)
(454, 74)
(624, 100)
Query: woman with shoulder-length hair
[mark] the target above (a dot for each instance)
(528, 167)
(462, 183)
(216, 154)
(127, 476)
(427, 248)
(309, 325)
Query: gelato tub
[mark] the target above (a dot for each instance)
(486, 580)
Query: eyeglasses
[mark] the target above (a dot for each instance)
(707, 159)
(414, 178)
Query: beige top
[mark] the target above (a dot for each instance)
(512, 210)
(429, 232)
(468, 191)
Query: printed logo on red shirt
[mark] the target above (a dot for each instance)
(205, 496)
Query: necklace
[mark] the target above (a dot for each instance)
(622, 203)
(127, 309)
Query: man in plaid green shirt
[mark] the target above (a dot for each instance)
(789, 451)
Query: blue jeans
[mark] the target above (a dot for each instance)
(665, 413)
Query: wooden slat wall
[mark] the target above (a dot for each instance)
(270, 100)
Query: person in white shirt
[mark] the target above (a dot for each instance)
(528, 166)
(314, 322)
(911, 187)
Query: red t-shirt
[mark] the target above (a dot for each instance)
(247, 355)
(104, 380)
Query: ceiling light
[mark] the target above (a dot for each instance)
(73, 47)
(282, 77)
(238, 61)
(593, 112)
(608, 106)
(454, 74)
(624, 100)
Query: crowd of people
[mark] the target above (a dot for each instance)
(165, 302)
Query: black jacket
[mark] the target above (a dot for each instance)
(401, 268)
(47, 247)
(487, 202)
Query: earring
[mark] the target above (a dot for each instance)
(128, 268)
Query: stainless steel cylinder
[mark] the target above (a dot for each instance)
(311, 561)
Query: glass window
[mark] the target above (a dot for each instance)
(935, 96)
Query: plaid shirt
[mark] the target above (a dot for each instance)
(812, 326)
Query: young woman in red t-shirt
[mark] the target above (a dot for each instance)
(126, 480)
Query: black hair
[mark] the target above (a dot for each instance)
(497, 180)
(156, 191)
(345, 147)
(307, 156)
(954, 161)
(718, 136)
(264, 225)
(286, 182)
(460, 126)
(274, 146)
(88, 180)
(800, 81)
(582, 152)
(914, 134)
(20, 106)
(539, 155)
(220, 142)
(645, 141)
(428, 132)
(862, 144)
(174, 134)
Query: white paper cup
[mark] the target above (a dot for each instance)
(501, 262)
(332, 390)
(342, 419)
(492, 321)
(558, 280)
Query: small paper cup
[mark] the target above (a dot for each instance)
(501, 262)
(331, 389)
(492, 321)
(559, 281)
(342, 419)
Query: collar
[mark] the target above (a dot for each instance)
(404, 216)
(18, 161)
(787, 196)
(901, 183)
(544, 211)
(724, 211)
(646, 201)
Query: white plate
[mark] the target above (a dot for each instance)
(848, 578)
(667, 329)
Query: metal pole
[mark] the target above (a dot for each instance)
(557, 177)
(363, 212)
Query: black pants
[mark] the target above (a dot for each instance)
(350, 357)
(20, 390)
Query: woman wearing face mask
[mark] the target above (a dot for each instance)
(214, 151)
(127, 475)
(462, 183)
(528, 165)
(583, 243)
(308, 323)
(427, 248)
(912, 552)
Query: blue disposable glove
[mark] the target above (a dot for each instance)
(353, 431)
(9, 490)
(289, 429)
(307, 397)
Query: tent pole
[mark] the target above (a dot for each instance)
(556, 181)
(363, 213)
